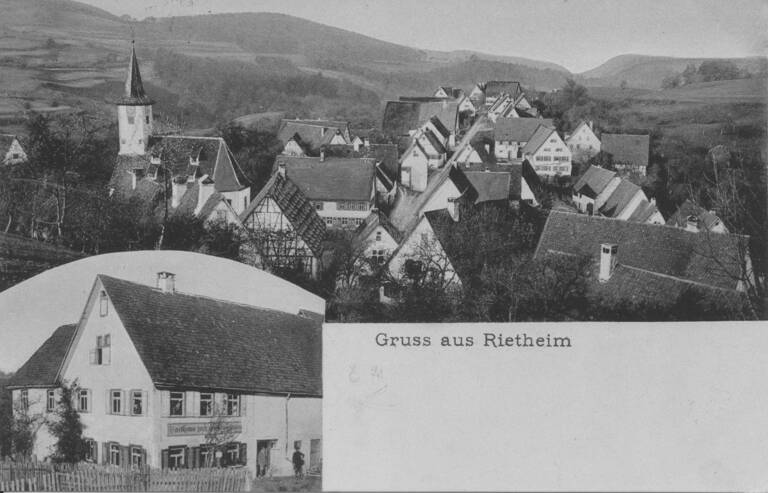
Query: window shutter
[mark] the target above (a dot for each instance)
(188, 457)
(95, 445)
(106, 355)
(124, 457)
(243, 450)
(243, 398)
(109, 403)
(164, 458)
(92, 356)
(196, 457)
(144, 403)
(165, 403)
(105, 452)
(124, 403)
(143, 457)
(89, 401)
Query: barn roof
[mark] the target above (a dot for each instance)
(707, 259)
(195, 342)
(313, 133)
(41, 369)
(384, 154)
(626, 148)
(538, 138)
(400, 117)
(619, 199)
(492, 185)
(518, 129)
(493, 88)
(593, 181)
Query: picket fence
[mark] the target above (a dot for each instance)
(40, 476)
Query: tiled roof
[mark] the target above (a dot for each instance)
(400, 117)
(643, 212)
(443, 225)
(374, 220)
(313, 133)
(333, 178)
(5, 141)
(518, 129)
(593, 181)
(620, 198)
(297, 209)
(386, 154)
(688, 208)
(626, 148)
(194, 342)
(538, 138)
(438, 124)
(708, 259)
(495, 87)
(434, 142)
(41, 369)
(134, 89)
(491, 186)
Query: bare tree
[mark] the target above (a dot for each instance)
(220, 432)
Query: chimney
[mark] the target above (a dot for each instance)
(179, 187)
(204, 192)
(591, 125)
(607, 260)
(322, 156)
(692, 224)
(166, 282)
(453, 208)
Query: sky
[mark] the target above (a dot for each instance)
(577, 34)
(63, 292)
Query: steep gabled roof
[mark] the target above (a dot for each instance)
(134, 94)
(491, 186)
(626, 148)
(434, 141)
(593, 181)
(41, 369)
(707, 259)
(384, 154)
(373, 221)
(620, 198)
(444, 132)
(313, 133)
(518, 129)
(194, 342)
(331, 179)
(644, 211)
(680, 218)
(493, 88)
(400, 117)
(297, 209)
(538, 139)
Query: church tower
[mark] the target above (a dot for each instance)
(134, 112)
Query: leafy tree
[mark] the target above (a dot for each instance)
(24, 428)
(67, 428)
(254, 150)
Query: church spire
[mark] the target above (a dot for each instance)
(134, 89)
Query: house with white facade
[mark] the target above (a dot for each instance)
(158, 370)
(547, 152)
(310, 136)
(375, 240)
(510, 135)
(583, 142)
(603, 192)
(693, 217)
(160, 169)
(628, 153)
(342, 190)
(11, 150)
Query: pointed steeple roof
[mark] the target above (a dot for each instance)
(134, 89)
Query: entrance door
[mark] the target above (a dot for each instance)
(266, 446)
(315, 456)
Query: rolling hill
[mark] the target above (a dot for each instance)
(647, 72)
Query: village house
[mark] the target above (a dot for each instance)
(12, 149)
(510, 135)
(583, 142)
(547, 152)
(375, 240)
(307, 137)
(631, 261)
(603, 192)
(386, 159)
(426, 152)
(162, 169)
(159, 370)
(402, 119)
(514, 182)
(628, 153)
(484, 94)
(285, 229)
(693, 217)
(342, 190)
(449, 92)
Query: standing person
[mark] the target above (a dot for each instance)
(261, 462)
(298, 461)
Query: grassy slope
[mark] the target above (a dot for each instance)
(22, 258)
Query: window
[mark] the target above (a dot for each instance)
(177, 404)
(137, 457)
(233, 453)
(15, 155)
(137, 402)
(103, 304)
(176, 457)
(378, 256)
(206, 404)
(24, 398)
(146, 119)
(232, 404)
(50, 400)
(221, 215)
(83, 400)
(114, 454)
(329, 221)
(102, 354)
(378, 235)
(116, 401)
(90, 450)
(318, 206)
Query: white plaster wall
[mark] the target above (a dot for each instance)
(133, 137)
(44, 441)
(414, 248)
(330, 209)
(551, 150)
(417, 166)
(439, 199)
(240, 199)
